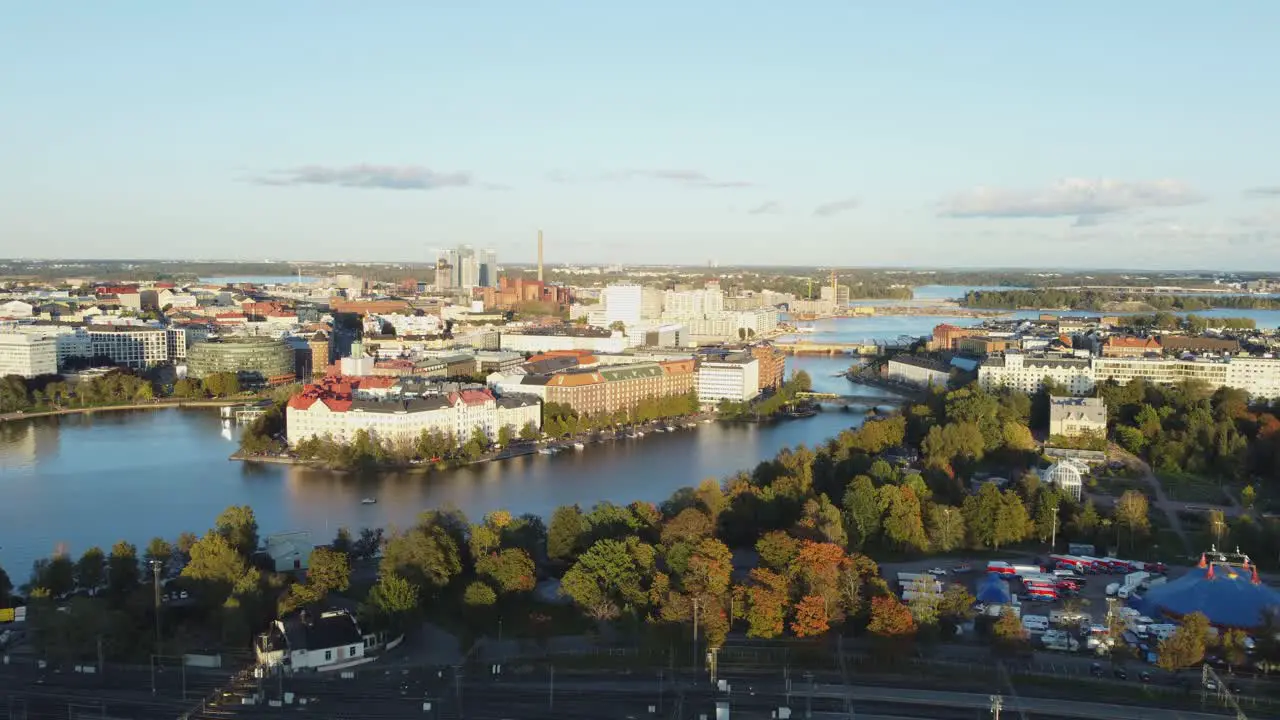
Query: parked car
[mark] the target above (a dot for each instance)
(1120, 673)
(1096, 670)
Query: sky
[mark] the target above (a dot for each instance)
(845, 132)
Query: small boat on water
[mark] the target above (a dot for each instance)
(691, 425)
(638, 434)
(670, 429)
(579, 446)
(369, 501)
(546, 451)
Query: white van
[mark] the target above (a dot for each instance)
(1035, 624)
(1112, 589)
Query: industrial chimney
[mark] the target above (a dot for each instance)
(539, 256)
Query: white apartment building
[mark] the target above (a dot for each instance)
(28, 355)
(1027, 373)
(681, 305)
(917, 371)
(136, 347)
(324, 412)
(735, 378)
(622, 303)
(1258, 376)
(536, 343)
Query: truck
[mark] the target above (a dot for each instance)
(1027, 570)
(1068, 617)
(997, 566)
(1132, 582)
(1060, 642)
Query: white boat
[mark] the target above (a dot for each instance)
(579, 446)
(670, 429)
(369, 501)
(546, 451)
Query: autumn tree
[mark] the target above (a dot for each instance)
(510, 570)
(767, 598)
(820, 520)
(777, 550)
(1010, 635)
(328, 571)
(811, 618)
(122, 569)
(427, 555)
(1186, 646)
(239, 526)
(903, 525)
(478, 594)
(158, 551)
(567, 532)
(91, 570)
(945, 527)
(819, 568)
(1131, 513)
(890, 618)
(689, 525)
(1233, 644)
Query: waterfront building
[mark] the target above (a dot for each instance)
(133, 346)
(338, 408)
(1077, 416)
(772, 362)
(1178, 344)
(1257, 376)
(28, 355)
(947, 337)
(617, 388)
(1125, 346)
(256, 360)
(312, 641)
(735, 378)
(921, 372)
(544, 340)
(289, 551)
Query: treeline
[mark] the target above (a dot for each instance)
(1097, 300)
(1192, 323)
(118, 387)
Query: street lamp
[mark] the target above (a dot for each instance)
(155, 574)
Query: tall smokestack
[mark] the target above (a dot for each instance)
(539, 256)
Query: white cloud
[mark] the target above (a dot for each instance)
(1071, 197)
(769, 207)
(382, 177)
(836, 207)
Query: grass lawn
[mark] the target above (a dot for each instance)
(1116, 486)
(1192, 488)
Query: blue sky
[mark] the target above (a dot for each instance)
(930, 132)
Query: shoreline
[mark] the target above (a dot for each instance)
(156, 405)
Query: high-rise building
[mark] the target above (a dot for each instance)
(444, 273)
(488, 269)
(622, 303)
(319, 345)
(28, 355)
(469, 272)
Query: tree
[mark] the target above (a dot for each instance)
(1008, 631)
(890, 618)
(767, 598)
(56, 575)
(222, 384)
(862, 513)
(91, 570)
(1232, 643)
(995, 518)
(216, 562)
(394, 599)
(822, 521)
(1248, 496)
(946, 527)
(1185, 647)
(902, 524)
(567, 532)
(239, 526)
(529, 432)
(158, 551)
(609, 576)
(328, 571)
(689, 525)
(777, 550)
(505, 434)
(1131, 513)
(957, 603)
(478, 594)
(427, 555)
(6, 588)
(122, 569)
(811, 617)
(510, 570)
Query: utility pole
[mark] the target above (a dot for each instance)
(997, 704)
(1053, 543)
(155, 573)
(694, 660)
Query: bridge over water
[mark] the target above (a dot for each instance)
(868, 399)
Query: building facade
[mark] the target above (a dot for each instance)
(619, 388)
(256, 360)
(28, 355)
(1027, 373)
(1257, 376)
(773, 364)
(1077, 416)
(735, 378)
(622, 303)
(920, 372)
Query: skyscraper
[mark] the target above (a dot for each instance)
(489, 269)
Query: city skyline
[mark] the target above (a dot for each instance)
(1082, 137)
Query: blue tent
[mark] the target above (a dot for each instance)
(994, 590)
(1229, 595)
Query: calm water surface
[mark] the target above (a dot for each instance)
(91, 480)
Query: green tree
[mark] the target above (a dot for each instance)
(567, 532)
(946, 527)
(158, 551)
(822, 521)
(510, 570)
(478, 594)
(528, 432)
(505, 435)
(122, 569)
(6, 589)
(1010, 635)
(427, 555)
(188, 389)
(328, 571)
(1248, 496)
(995, 518)
(777, 550)
(13, 394)
(609, 577)
(91, 570)
(239, 526)
(215, 562)
(862, 512)
(56, 575)
(222, 384)
(393, 599)
(903, 525)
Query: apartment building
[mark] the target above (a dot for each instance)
(921, 372)
(1124, 346)
(336, 408)
(1027, 373)
(1258, 376)
(135, 347)
(735, 378)
(28, 355)
(772, 364)
(618, 388)
(1076, 416)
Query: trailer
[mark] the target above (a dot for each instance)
(1028, 570)
(997, 566)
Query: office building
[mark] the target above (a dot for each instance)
(622, 303)
(132, 346)
(256, 360)
(28, 355)
(488, 269)
(735, 378)
(1077, 416)
(917, 371)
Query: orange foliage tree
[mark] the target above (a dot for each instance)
(811, 617)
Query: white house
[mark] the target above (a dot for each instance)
(329, 640)
(1074, 416)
